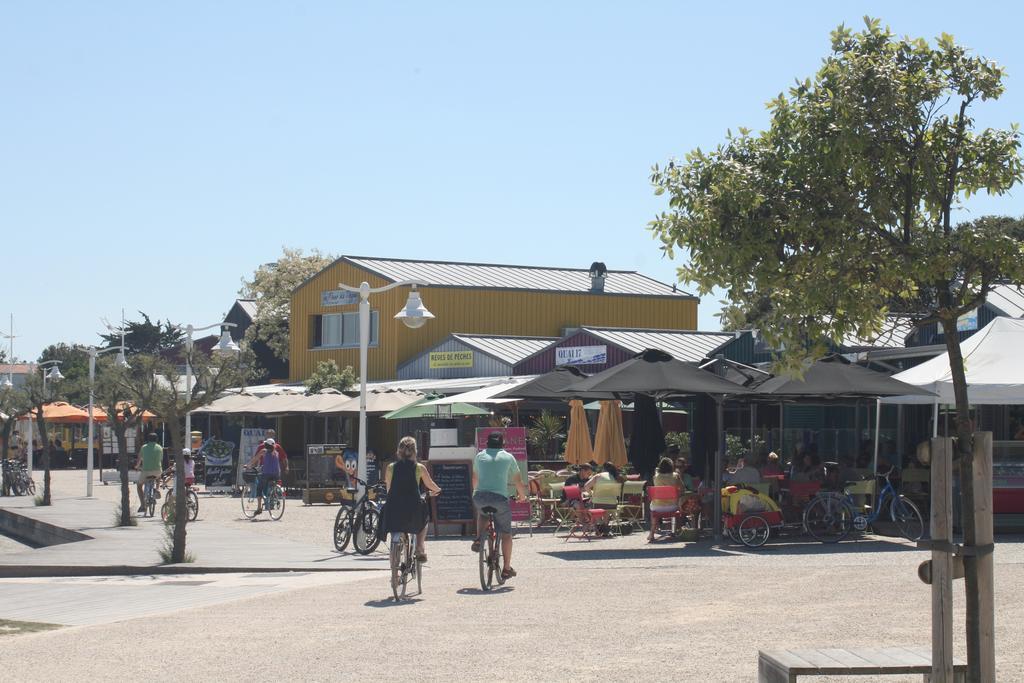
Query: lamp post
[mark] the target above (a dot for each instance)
(8, 381)
(414, 315)
(225, 346)
(121, 362)
(53, 374)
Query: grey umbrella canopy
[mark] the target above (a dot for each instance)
(835, 377)
(654, 373)
(550, 385)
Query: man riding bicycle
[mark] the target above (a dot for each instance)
(493, 470)
(151, 462)
(268, 459)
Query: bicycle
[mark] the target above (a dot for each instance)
(16, 479)
(191, 503)
(359, 521)
(490, 551)
(831, 516)
(405, 562)
(149, 495)
(272, 497)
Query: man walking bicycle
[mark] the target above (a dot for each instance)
(494, 469)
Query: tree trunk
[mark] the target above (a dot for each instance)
(123, 465)
(45, 440)
(965, 454)
(180, 517)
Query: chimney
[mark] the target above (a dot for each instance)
(597, 275)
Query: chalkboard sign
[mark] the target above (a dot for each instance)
(455, 504)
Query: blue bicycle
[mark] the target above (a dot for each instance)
(831, 516)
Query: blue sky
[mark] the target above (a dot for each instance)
(153, 154)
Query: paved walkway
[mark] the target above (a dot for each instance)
(136, 549)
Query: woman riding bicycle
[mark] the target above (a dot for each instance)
(405, 509)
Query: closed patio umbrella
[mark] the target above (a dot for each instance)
(577, 444)
(609, 442)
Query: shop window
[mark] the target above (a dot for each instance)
(341, 330)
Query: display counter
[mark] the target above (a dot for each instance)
(1008, 477)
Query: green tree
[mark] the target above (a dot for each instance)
(842, 211)
(74, 366)
(271, 286)
(327, 375)
(213, 374)
(13, 403)
(37, 394)
(145, 336)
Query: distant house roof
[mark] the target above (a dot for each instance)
(498, 276)
(508, 349)
(685, 345)
(248, 306)
(893, 335)
(17, 368)
(1009, 299)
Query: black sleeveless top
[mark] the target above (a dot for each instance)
(404, 507)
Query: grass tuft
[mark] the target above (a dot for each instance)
(167, 549)
(132, 519)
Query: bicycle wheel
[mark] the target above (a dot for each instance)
(417, 568)
(150, 505)
(250, 500)
(192, 503)
(828, 519)
(30, 486)
(754, 531)
(364, 539)
(907, 517)
(342, 528)
(486, 568)
(165, 511)
(398, 553)
(275, 502)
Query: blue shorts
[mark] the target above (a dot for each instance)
(498, 501)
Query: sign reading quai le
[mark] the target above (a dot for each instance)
(451, 359)
(581, 355)
(338, 297)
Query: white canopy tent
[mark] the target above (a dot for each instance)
(995, 373)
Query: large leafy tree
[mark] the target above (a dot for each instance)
(328, 376)
(37, 394)
(74, 366)
(842, 211)
(271, 286)
(146, 336)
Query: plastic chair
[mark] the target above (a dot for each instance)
(663, 493)
(585, 520)
(608, 496)
(631, 509)
(564, 515)
(863, 493)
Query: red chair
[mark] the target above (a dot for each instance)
(587, 519)
(663, 493)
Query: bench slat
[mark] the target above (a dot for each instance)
(845, 657)
(832, 661)
(819, 658)
(786, 660)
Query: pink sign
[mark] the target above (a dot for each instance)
(515, 443)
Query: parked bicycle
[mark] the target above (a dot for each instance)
(16, 478)
(359, 520)
(831, 516)
(490, 551)
(271, 499)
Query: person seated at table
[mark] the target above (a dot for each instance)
(742, 474)
(665, 476)
(580, 476)
(772, 467)
(685, 474)
(810, 469)
(609, 474)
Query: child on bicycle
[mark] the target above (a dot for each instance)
(405, 509)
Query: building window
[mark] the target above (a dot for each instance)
(341, 330)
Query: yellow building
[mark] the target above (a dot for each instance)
(467, 298)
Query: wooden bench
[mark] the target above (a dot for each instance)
(783, 666)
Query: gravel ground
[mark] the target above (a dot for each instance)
(670, 612)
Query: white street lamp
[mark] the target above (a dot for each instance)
(8, 381)
(224, 346)
(414, 315)
(54, 375)
(121, 362)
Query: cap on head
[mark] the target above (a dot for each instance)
(186, 451)
(270, 442)
(495, 440)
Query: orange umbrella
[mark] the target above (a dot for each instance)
(100, 415)
(609, 443)
(61, 411)
(577, 446)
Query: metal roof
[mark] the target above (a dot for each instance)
(893, 335)
(496, 276)
(685, 345)
(508, 349)
(1007, 298)
(248, 306)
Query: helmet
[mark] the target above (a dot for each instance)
(186, 451)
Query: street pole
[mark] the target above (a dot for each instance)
(93, 355)
(225, 345)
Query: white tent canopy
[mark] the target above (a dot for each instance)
(992, 363)
(483, 394)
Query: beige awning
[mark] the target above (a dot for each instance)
(377, 402)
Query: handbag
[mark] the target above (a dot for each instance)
(382, 523)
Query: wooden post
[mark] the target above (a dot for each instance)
(942, 559)
(982, 483)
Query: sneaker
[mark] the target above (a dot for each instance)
(476, 546)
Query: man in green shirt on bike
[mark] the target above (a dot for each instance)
(151, 462)
(494, 469)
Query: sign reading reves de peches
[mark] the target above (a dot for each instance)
(451, 359)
